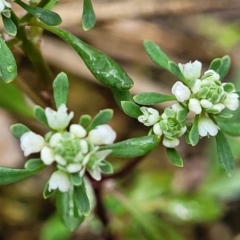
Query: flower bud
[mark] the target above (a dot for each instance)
(231, 101)
(78, 130)
(102, 135)
(47, 155)
(194, 106)
(170, 143)
(180, 91)
(150, 116)
(31, 143)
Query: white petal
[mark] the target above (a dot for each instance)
(74, 167)
(157, 129)
(95, 173)
(59, 180)
(170, 143)
(2, 6)
(207, 127)
(102, 135)
(101, 155)
(197, 86)
(84, 146)
(55, 139)
(206, 103)
(78, 130)
(47, 155)
(31, 143)
(194, 106)
(219, 107)
(59, 159)
(180, 91)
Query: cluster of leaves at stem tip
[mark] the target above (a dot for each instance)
(79, 149)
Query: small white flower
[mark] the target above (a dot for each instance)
(170, 143)
(78, 130)
(191, 71)
(4, 4)
(102, 135)
(150, 116)
(47, 155)
(31, 143)
(197, 86)
(195, 106)
(55, 139)
(180, 91)
(231, 102)
(207, 127)
(58, 120)
(59, 180)
(157, 129)
(95, 171)
(213, 76)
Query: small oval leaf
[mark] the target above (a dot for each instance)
(39, 114)
(150, 98)
(48, 17)
(60, 89)
(103, 117)
(8, 66)
(81, 200)
(88, 15)
(18, 130)
(174, 157)
(9, 26)
(134, 147)
(131, 109)
(193, 134)
(224, 153)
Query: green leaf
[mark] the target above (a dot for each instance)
(156, 54)
(88, 15)
(103, 117)
(106, 167)
(9, 26)
(32, 164)
(12, 175)
(221, 66)
(176, 71)
(215, 64)
(131, 109)
(39, 114)
(8, 66)
(150, 98)
(60, 89)
(231, 128)
(68, 210)
(224, 115)
(121, 95)
(81, 200)
(174, 157)
(48, 17)
(18, 130)
(224, 153)
(18, 103)
(194, 135)
(104, 69)
(84, 120)
(46, 192)
(225, 65)
(133, 147)
(76, 179)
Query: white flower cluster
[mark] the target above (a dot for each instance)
(169, 124)
(74, 151)
(203, 96)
